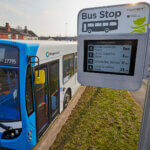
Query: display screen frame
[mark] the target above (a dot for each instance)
(132, 42)
(9, 63)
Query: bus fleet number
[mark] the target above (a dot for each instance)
(10, 61)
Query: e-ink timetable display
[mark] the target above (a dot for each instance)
(113, 56)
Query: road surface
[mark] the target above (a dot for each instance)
(139, 96)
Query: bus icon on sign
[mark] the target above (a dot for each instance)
(95, 26)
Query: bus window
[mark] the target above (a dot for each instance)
(68, 67)
(113, 23)
(75, 60)
(105, 23)
(28, 92)
(90, 24)
(9, 95)
(4, 86)
(12, 77)
(99, 24)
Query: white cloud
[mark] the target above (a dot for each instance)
(48, 17)
(10, 9)
(10, 14)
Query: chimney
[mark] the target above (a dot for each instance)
(7, 26)
(26, 30)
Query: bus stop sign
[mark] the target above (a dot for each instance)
(113, 45)
(122, 19)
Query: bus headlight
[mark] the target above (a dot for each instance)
(11, 134)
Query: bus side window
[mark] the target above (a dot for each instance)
(68, 67)
(75, 61)
(28, 92)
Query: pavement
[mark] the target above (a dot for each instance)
(49, 137)
(139, 96)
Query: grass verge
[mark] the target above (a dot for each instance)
(104, 119)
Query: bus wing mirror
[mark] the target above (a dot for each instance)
(39, 77)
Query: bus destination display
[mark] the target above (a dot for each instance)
(109, 58)
(9, 56)
(2, 54)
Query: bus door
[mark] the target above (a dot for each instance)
(41, 98)
(54, 88)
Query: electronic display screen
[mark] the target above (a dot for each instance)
(110, 56)
(9, 55)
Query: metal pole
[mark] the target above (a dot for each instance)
(66, 25)
(144, 139)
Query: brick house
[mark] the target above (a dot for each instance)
(28, 34)
(10, 33)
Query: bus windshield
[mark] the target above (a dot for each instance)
(9, 95)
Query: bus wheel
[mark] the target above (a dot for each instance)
(89, 30)
(67, 98)
(107, 30)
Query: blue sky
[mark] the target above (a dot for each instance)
(49, 17)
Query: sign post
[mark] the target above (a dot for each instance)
(144, 143)
(114, 52)
(112, 46)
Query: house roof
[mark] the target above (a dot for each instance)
(29, 33)
(3, 30)
(32, 33)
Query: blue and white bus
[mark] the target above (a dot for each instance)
(95, 26)
(37, 79)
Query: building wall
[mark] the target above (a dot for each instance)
(30, 38)
(13, 36)
(20, 37)
(16, 36)
(27, 37)
(3, 36)
(34, 38)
